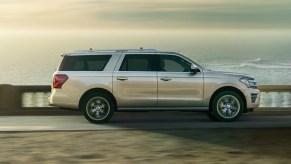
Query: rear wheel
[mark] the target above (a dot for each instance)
(227, 106)
(98, 108)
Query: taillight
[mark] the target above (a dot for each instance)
(59, 80)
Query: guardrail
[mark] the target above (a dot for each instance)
(275, 88)
(35, 96)
(14, 97)
(275, 96)
(33, 88)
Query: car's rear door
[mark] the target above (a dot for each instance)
(135, 81)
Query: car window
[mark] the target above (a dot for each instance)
(138, 62)
(172, 63)
(84, 63)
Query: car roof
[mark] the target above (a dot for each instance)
(112, 51)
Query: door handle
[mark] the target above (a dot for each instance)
(166, 79)
(122, 78)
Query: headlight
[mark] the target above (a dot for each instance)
(249, 82)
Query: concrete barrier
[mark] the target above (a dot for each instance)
(274, 88)
(10, 97)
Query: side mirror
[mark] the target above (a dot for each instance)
(194, 69)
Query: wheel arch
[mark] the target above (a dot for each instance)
(96, 90)
(229, 88)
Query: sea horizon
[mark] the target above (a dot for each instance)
(31, 57)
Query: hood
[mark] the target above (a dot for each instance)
(221, 74)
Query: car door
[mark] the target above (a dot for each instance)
(135, 81)
(177, 85)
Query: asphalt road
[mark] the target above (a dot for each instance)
(138, 121)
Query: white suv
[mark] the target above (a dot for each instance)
(102, 82)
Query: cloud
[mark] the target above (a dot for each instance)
(144, 14)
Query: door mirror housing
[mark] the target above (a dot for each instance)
(194, 69)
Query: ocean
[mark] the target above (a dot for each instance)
(31, 57)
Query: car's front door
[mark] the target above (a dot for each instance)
(177, 85)
(135, 81)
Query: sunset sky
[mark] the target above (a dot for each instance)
(144, 14)
(233, 32)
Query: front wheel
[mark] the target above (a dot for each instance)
(98, 108)
(227, 106)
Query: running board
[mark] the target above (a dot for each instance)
(196, 109)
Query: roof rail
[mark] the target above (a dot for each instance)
(137, 50)
(116, 50)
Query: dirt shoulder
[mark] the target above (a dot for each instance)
(153, 146)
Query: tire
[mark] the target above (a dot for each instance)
(98, 108)
(227, 106)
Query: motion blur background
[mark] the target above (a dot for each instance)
(249, 36)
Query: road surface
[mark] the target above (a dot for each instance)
(138, 121)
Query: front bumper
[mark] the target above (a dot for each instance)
(252, 98)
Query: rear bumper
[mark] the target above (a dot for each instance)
(59, 99)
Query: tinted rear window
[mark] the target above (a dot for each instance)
(84, 63)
